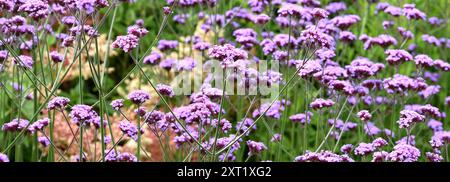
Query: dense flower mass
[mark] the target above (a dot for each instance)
(208, 80)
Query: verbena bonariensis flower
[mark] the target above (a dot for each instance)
(335, 7)
(435, 125)
(322, 156)
(273, 111)
(423, 60)
(379, 142)
(186, 64)
(429, 91)
(37, 9)
(404, 153)
(345, 21)
(408, 117)
(138, 96)
(347, 36)
(447, 101)
(58, 103)
(401, 84)
(130, 129)
(435, 21)
(44, 141)
(321, 103)
(393, 10)
(314, 36)
(379, 156)
(15, 125)
(411, 12)
(165, 45)
(370, 129)
(227, 54)
(308, 68)
(434, 157)
(406, 34)
(431, 40)
(244, 124)
(382, 40)
(342, 85)
(4, 158)
(347, 148)
(56, 57)
(341, 125)
(25, 62)
(430, 110)
(261, 19)
(117, 104)
(396, 57)
(165, 90)
(153, 58)
(301, 118)
(439, 139)
(38, 125)
(126, 42)
(154, 116)
(364, 115)
(167, 64)
(255, 147)
(364, 149)
(439, 64)
(82, 114)
(276, 137)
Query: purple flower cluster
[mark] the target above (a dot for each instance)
(322, 156)
(58, 103)
(15, 125)
(138, 96)
(321, 103)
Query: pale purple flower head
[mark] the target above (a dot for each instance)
(321, 103)
(347, 148)
(380, 156)
(58, 103)
(396, 57)
(129, 129)
(404, 153)
(364, 115)
(322, 156)
(393, 10)
(435, 125)
(153, 58)
(315, 36)
(411, 12)
(335, 7)
(24, 61)
(301, 118)
(4, 158)
(137, 31)
(347, 36)
(276, 137)
(15, 125)
(261, 19)
(370, 129)
(409, 117)
(44, 141)
(379, 142)
(82, 114)
(187, 64)
(227, 54)
(364, 149)
(167, 64)
(423, 60)
(38, 125)
(165, 45)
(37, 9)
(255, 147)
(126, 42)
(117, 104)
(434, 157)
(165, 90)
(345, 21)
(442, 65)
(126, 157)
(138, 96)
(430, 110)
(56, 57)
